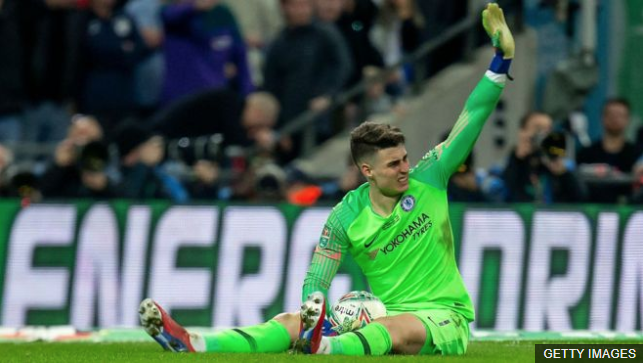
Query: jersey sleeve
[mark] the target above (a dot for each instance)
(439, 163)
(327, 258)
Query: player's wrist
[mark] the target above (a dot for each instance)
(499, 64)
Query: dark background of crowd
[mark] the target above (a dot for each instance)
(184, 100)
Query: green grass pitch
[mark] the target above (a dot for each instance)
(86, 352)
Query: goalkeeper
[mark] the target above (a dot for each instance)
(396, 226)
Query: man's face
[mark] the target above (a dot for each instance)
(616, 117)
(152, 151)
(538, 124)
(298, 12)
(388, 171)
(94, 180)
(254, 119)
(83, 130)
(329, 10)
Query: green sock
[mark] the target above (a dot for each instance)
(372, 339)
(269, 337)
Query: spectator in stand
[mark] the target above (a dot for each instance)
(537, 170)
(248, 137)
(440, 16)
(203, 114)
(143, 174)
(6, 159)
(241, 122)
(354, 19)
(613, 148)
(62, 178)
(259, 119)
(396, 33)
(148, 75)
(95, 182)
(23, 184)
(13, 96)
(204, 181)
(637, 197)
(266, 153)
(203, 50)
(270, 184)
(17, 180)
(260, 22)
(376, 100)
(306, 66)
(53, 33)
(613, 151)
(112, 50)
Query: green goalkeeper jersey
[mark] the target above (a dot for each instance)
(408, 257)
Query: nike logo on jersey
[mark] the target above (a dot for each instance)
(369, 244)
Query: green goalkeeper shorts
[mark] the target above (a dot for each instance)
(447, 331)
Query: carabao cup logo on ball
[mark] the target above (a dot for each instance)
(355, 310)
(408, 203)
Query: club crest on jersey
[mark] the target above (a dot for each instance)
(325, 237)
(408, 203)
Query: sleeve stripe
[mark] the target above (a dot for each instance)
(496, 77)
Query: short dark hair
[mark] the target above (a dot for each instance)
(369, 137)
(617, 101)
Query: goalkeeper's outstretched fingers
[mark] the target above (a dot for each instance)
(493, 21)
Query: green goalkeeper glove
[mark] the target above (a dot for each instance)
(493, 20)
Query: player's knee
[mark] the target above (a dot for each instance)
(290, 321)
(393, 331)
(405, 338)
(288, 318)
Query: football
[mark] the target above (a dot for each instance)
(354, 310)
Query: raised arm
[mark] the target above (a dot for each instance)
(438, 164)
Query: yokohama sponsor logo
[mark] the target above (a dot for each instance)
(414, 230)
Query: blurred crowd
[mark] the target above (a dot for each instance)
(184, 99)
(550, 164)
